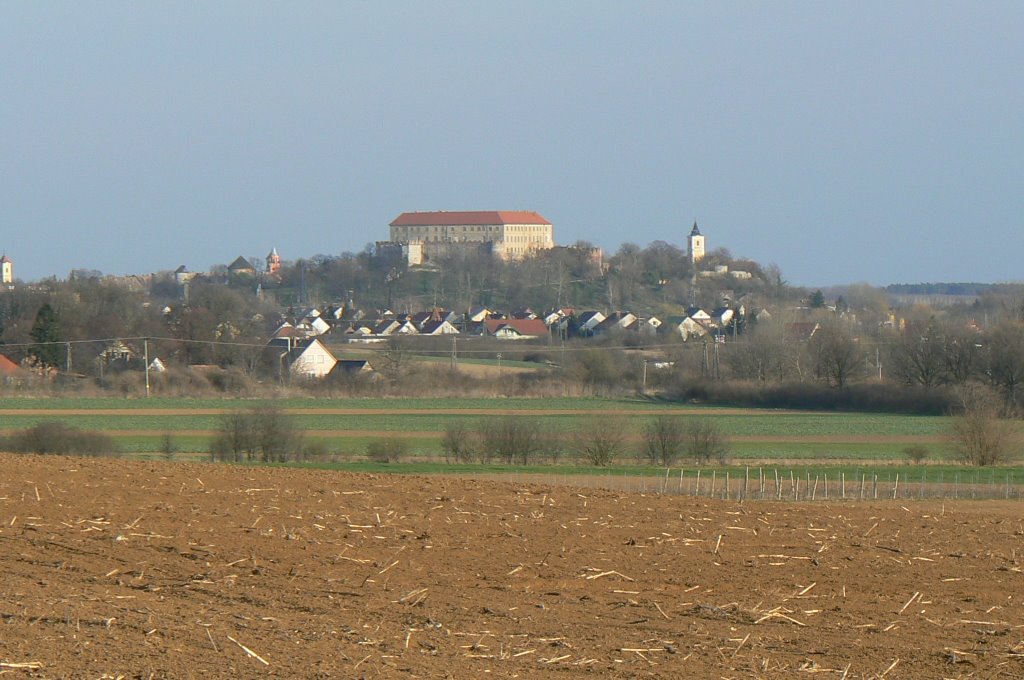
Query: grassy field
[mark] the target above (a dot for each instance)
(346, 426)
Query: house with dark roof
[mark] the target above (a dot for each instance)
(241, 267)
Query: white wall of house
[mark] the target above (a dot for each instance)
(315, 362)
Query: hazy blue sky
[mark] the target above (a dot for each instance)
(860, 141)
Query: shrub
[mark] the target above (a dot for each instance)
(52, 437)
(512, 439)
(264, 434)
(168, 447)
(389, 450)
(870, 397)
(599, 439)
(916, 454)
(316, 450)
(980, 435)
(664, 439)
(705, 441)
(457, 442)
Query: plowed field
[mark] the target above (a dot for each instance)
(115, 568)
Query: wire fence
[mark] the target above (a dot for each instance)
(790, 484)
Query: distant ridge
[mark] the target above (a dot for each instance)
(972, 289)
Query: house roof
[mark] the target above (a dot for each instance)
(8, 367)
(239, 264)
(351, 366)
(521, 326)
(459, 218)
(431, 326)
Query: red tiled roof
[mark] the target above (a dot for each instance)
(446, 218)
(8, 367)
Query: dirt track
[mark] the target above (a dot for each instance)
(410, 412)
(178, 570)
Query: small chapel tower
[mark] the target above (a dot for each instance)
(6, 270)
(696, 245)
(273, 262)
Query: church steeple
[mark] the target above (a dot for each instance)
(273, 262)
(695, 244)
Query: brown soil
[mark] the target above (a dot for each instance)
(138, 569)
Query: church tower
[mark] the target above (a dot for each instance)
(273, 262)
(696, 245)
(6, 270)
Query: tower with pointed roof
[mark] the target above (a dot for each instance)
(695, 244)
(6, 269)
(273, 262)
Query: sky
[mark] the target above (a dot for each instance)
(868, 141)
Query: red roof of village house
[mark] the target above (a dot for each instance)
(454, 218)
(8, 367)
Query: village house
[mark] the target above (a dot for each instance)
(301, 358)
(515, 329)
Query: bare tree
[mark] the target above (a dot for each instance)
(980, 434)
(705, 441)
(511, 439)
(264, 434)
(763, 355)
(919, 359)
(1006, 359)
(599, 439)
(962, 353)
(836, 354)
(457, 442)
(665, 438)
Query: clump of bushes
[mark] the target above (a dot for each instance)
(389, 450)
(264, 434)
(868, 397)
(916, 454)
(56, 438)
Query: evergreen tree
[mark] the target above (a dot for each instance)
(817, 299)
(46, 329)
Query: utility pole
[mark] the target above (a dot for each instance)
(68, 370)
(455, 360)
(145, 353)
